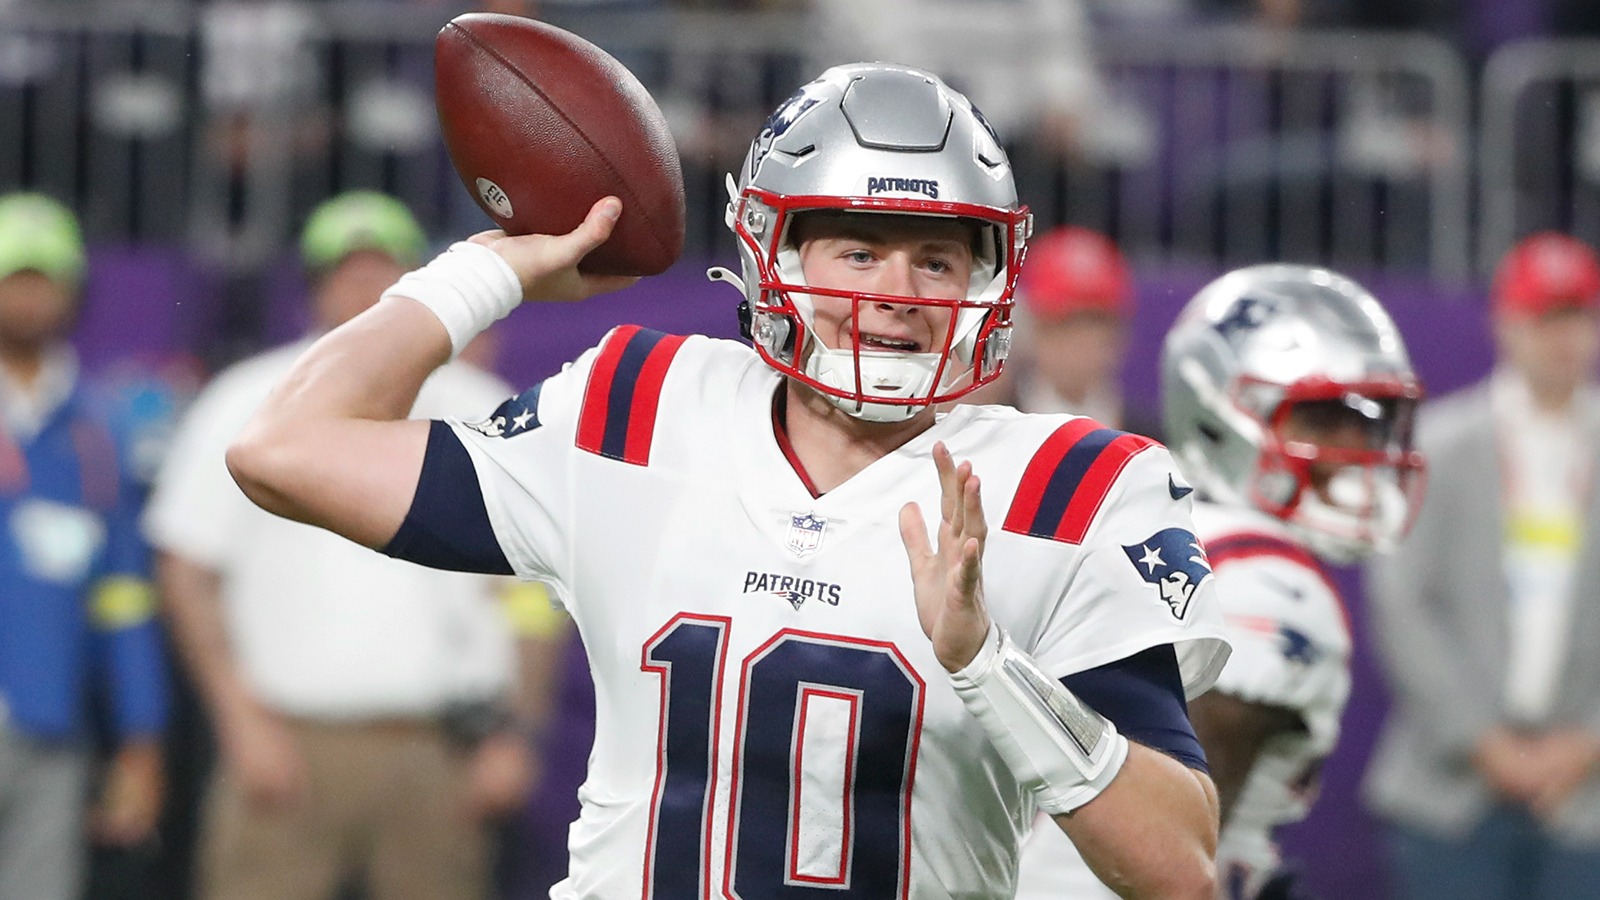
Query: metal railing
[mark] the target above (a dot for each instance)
(1539, 144)
(219, 127)
(1343, 149)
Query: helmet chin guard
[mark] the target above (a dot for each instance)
(877, 139)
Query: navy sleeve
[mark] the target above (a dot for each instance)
(1143, 696)
(447, 526)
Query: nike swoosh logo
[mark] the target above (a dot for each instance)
(1177, 491)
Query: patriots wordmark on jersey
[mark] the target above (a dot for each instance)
(770, 718)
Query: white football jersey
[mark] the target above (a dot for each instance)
(770, 718)
(1291, 648)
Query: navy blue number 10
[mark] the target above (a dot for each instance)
(855, 706)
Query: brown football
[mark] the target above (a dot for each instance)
(540, 124)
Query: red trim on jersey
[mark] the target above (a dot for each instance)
(1262, 624)
(780, 405)
(623, 393)
(843, 870)
(597, 392)
(647, 398)
(1096, 484)
(904, 889)
(665, 672)
(1068, 478)
(1234, 545)
(1036, 477)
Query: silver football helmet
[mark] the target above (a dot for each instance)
(1261, 369)
(876, 138)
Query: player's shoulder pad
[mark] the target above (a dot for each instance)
(1292, 589)
(623, 393)
(1232, 546)
(1068, 479)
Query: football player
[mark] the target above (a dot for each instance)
(1288, 400)
(783, 709)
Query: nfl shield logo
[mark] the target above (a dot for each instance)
(805, 533)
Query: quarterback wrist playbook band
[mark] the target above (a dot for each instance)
(468, 287)
(1062, 750)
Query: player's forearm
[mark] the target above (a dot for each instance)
(328, 447)
(1153, 831)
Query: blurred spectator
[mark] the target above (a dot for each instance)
(364, 708)
(75, 599)
(1485, 771)
(1076, 298)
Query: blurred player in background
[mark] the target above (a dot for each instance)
(364, 707)
(1298, 458)
(781, 706)
(1486, 770)
(1076, 298)
(75, 599)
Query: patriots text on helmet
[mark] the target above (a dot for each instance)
(891, 185)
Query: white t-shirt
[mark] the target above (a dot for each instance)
(768, 709)
(322, 627)
(1291, 649)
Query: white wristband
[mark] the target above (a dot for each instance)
(469, 287)
(1062, 750)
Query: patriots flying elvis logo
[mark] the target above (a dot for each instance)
(1173, 560)
(1246, 314)
(777, 124)
(515, 416)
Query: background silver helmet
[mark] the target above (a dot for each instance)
(1266, 346)
(876, 138)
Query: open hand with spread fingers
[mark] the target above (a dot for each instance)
(948, 578)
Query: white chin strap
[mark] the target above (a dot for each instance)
(883, 374)
(1365, 515)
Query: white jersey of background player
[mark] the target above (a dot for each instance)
(1288, 400)
(785, 706)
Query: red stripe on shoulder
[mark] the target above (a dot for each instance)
(1096, 484)
(1036, 477)
(1248, 544)
(1235, 545)
(647, 399)
(597, 392)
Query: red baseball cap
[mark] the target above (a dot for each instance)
(1546, 272)
(1072, 269)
